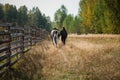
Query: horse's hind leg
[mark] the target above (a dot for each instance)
(53, 41)
(56, 40)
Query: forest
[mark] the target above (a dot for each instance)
(22, 16)
(100, 16)
(94, 17)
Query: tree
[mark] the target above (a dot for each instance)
(72, 24)
(48, 23)
(100, 16)
(7, 13)
(86, 13)
(68, 23)
(77, 27)
(1, 12)
(10, 13)
(37, 19)
(113, 16)
(98, 21)
(60, 15)
(22, 16)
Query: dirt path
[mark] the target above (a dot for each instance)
(64, 56)
(61, 63)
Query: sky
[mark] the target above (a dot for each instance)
(48, 7)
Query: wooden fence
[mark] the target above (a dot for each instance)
(15, 41)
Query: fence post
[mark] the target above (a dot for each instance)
(30, 37)
(9, 44)
(23, 31)
(35, 35)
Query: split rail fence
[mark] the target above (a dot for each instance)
(15, 41)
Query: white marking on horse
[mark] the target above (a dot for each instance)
(54, 36)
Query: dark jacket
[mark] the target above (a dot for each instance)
(63, 33)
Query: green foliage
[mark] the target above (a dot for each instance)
(67, 23)
(100, 16)
(96, 16)
(10, 13)
(34, 16)
(78, 28)
(60, 16)
(1, 12)
(72, 24)
(21, 16)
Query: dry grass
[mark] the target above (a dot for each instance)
(84, 57)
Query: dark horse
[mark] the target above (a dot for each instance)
(54, 36)
(63, 34)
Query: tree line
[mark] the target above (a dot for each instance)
(94, 16)
(22, 16)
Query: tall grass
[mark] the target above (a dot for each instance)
(84, 57)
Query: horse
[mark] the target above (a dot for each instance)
(54, 36)
(63, 34)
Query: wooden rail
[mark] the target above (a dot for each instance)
(15, 41)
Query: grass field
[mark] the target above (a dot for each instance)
(84, 57)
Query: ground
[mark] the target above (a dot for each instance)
(84, 57)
